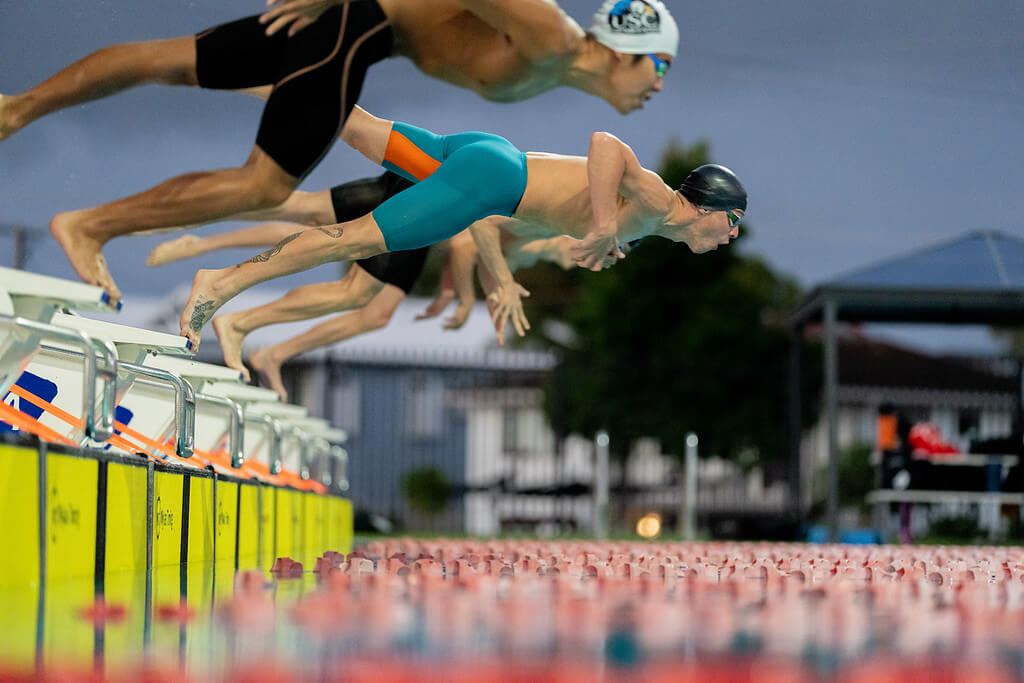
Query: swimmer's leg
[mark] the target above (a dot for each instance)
(192, 198)
(102, 73)
(190, 246)
(354, 290)
(353, 240)
(375, 315)
(367, 134)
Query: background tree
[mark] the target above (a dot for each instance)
(668, 341)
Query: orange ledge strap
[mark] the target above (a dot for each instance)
(18, 419)
(71, 420)
(31, 425)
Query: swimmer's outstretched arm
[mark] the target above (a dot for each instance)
(526, 252)
(456, 281)
(614, 170)
(507, 297)
(461, 260)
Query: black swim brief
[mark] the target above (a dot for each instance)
(360, 197)
(316, 75)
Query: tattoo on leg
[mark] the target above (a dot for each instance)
(200, 314)
(333, 234)
(273, 251)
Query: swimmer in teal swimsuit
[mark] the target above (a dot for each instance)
(482, 182)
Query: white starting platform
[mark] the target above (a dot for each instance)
(99, 385)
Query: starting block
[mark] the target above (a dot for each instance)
(262, 433)
(328, 461)
(151, 403)
(220, 424)
(28, 302)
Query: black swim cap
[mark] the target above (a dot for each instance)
(714, 187)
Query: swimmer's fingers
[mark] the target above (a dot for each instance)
(437, 306)
(500, 319)
(592, 250)
(516, 312)
(301, 12)
(299, 25)
(519, 321)
(459, 318)
(509, 308)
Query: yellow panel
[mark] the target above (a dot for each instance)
(298, 526)
(70, 516)
(123, 642)
(314, 526)
(68, 639)
(227, 524)
(200, 520)
(166, 591)
(327, 525)
(333, 523)
(249, 527)
(345, 529)
(126, 518)
(198, 634)
(19, 515)
(167, 495)
(268, 521)
(285, 522)
(18, 626)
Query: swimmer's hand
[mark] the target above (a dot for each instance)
(438, 305)
(298, 13)
(596, 251)
(508, 306)
(460, 316)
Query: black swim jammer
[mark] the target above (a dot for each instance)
(317, 75)
(360, 197)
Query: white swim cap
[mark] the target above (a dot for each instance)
(636, 27)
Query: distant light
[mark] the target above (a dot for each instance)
(602, 439)
(691, 440)
(649, 525)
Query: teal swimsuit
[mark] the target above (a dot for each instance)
(459, 178)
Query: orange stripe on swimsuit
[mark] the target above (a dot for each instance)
(403, 153)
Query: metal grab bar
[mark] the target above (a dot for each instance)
(184, 405)
(305, 441)
(342, 455)
(322, 448)
(276, 434)
(236, 431)
(106, 371)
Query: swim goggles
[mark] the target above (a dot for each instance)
(734, 218)
(660, 65)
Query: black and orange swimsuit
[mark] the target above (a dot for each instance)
(316, 75)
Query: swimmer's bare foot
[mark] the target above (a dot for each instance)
(170, 251)
(202, 304)
(84, 252)
(8, 126)
(268, 370)
(231, 342)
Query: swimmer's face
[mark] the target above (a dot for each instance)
(635, 80)
(711, 230)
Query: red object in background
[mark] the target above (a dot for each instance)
(101, 612)
(175, 612)
(926, 439)
(286, 567)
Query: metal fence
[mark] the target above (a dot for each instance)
(464, 447)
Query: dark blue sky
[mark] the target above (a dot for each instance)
(861, 129)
